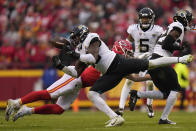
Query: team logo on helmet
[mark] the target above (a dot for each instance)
(185, 17)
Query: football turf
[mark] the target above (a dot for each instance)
(86, 120)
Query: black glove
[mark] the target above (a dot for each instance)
(178, 47)
(57, 62)
(68, 47)
(73, 54)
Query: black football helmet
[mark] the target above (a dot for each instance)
(66, 37)
(146, 13)
(79, 34)
(185, 17)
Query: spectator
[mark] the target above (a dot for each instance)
(36, 20)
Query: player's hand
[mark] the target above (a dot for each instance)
(61, 43)
(183, 47)
(57, 62)
(146, 55)
(178, 47)
(73, 54)
(68, 47)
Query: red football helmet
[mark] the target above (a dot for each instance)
(123, 47)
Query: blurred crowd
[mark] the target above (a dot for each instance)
(27, 26)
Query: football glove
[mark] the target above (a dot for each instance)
(73, 54)
(146, 55)
(68, 47)
(57, 62)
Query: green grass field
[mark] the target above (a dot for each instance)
(86, 120)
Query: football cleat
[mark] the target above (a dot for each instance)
(150, 111)
(186, 59)
(11, 107)
(119, 112)
(24, 110)
(116, 121)
(166, 121)
(133, 99)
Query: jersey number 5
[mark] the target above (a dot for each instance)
(144, 47)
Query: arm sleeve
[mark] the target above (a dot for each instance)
(169, 42)
(95, 40)
(87, 58)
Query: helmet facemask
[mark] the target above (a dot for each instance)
(190, 20)
(128, 53)
(146, 18)
(145, 22)
(79, 34)
(124, 48)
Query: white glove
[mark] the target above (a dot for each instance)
(146, 55)
(142, 73)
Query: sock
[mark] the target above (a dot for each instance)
(169, 104)
(149, 101)
(101, 104)
(48, 109)
(163, 61)
(149, 88)
(28, 110)
(34, 96)
(150, 94)
(125, 93)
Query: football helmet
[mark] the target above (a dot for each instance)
(79, 34)
(185, 17)
(146, 17)
(123, 47)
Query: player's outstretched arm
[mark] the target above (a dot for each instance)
(137, 78)
(59, 42)
(91, 55)
(80, 67)
(93, 48)
(70, 70)
(130, 38)
(169, 42)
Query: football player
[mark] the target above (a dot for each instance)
(66, 89)
(93, 51)
(165, 78)
(144, 35)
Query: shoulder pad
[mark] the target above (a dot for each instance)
(88, 39)
(131, 28)
(158, 28)
(176, 24)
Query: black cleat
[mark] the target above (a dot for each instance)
(150, 111)
(166, 121)
(119, 112)
(133, 99)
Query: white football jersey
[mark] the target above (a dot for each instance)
(158, 48)
(144, 40)
(105, 54)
